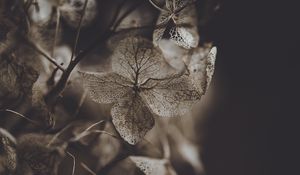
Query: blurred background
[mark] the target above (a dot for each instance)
(253, 127)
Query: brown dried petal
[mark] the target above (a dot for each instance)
(171, 97)
(132, 118)
(136, 58)
(201, 71)
(105, 87)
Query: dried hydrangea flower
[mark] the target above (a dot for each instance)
(139, 88)
(7, 34)
(8, 156)
(71, 11)
(175, 15)
(35, 156)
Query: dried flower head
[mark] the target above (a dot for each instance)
(71, 11)
(174, 16)
(139, 88)
(36, 157)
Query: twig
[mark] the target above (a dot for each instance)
(58, 134)
(79, 29)
(87, 168)
(74, 162)
(83, 96)
(85, 132)
(44, 54)
(157, 7)
(51, 97)
(56, 30)
(159, 26)
(22, 116)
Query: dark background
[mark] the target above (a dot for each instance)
(253, 129)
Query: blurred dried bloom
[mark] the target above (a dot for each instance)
(8, 156)
(174, 14)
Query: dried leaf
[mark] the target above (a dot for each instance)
(105, 87)
(151, 166)
(132, 118)
(202, 69)
(8, 156)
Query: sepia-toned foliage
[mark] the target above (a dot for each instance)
(99, 87)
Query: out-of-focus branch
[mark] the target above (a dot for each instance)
(79, 29)
(51, 97)
(43, 53)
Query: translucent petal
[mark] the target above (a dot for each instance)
(132, 118)
(151, 166)
(137, 59)
(158, 33)
(170, 97)
(174, 55)
(105, 87)
(186, 37)
(202, 69)
(172, 5)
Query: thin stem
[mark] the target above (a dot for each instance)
(85, 132)
(22, 116)
(156, 6)
(87, 168)
(159, 26)
(44, 54)
(83, 96)
(93, 125)
(56, 30)
(58, 134)
(79, 29)
(74, 162)
(50, 98)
